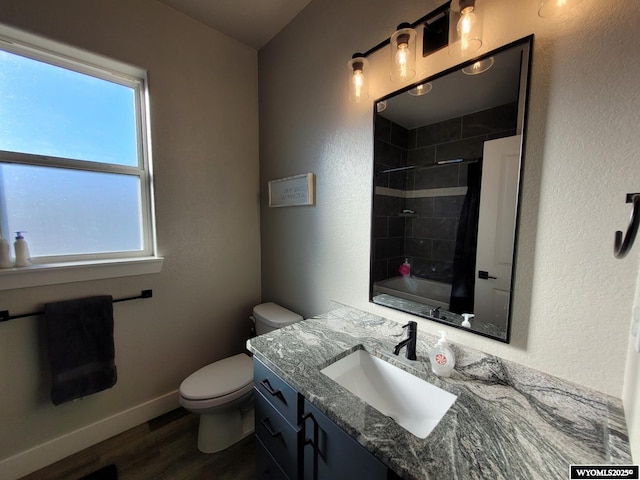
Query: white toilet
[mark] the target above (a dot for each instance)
(222, 392)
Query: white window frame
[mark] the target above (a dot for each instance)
(88, 266)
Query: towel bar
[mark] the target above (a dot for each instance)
(4, 314)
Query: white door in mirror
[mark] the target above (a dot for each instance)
(496, 229)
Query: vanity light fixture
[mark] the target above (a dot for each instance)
(465, 27)
(403, 53)
(556, 8)
(478, 67)
(358, 81)
(421, 89)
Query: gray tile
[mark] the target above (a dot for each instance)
(440, 132)
(467, 149)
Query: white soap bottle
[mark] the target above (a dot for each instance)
(442, 357)
(466, 323)
(5, 254)
(23, 259)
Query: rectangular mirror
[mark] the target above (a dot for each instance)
(447, 167)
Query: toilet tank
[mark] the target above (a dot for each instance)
(271, 316)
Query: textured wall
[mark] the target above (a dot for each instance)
(571, 311)
(204, 111)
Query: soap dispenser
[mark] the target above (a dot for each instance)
(466, 323)
(405, 268)
(23, 259)
(5, 254)
(442, 357)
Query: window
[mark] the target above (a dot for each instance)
(75, 170)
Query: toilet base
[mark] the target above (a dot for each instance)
(219, 431)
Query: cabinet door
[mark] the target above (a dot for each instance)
(331, 454)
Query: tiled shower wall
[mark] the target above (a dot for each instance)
(427, 236)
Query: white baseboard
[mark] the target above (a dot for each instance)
(35, 458)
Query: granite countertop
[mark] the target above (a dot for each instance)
(508, 422)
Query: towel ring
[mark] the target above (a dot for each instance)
(621, 247)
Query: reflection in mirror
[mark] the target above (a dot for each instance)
(446, 180)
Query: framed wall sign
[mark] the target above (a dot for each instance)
(292, 191)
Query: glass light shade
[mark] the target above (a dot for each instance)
(421, 89)
(465, 27)
(478, 67)
(556, 8)
(403, 54)
(358, 81)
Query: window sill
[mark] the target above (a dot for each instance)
(52, 274)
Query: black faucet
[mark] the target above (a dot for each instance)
(435, 312)
(409, 342)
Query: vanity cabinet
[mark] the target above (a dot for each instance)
(297, 441)
(330, 453)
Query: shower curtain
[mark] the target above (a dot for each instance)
(464, 260)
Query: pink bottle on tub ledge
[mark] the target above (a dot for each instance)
(405, 268)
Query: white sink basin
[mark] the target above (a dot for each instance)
(412, 403)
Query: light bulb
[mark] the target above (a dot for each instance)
(478, 67)
(358, 82)
(465, 27)
(421, 89)
(403, 55)
(402, 59)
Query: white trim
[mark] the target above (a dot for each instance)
(43, 46)
(55, 273)
(51, 451)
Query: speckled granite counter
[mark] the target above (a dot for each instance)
(509, 421)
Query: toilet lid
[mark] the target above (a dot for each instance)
(220, 378)
(274, 315)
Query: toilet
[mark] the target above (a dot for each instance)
(222, 392)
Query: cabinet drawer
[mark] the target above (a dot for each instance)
(278, 436)
(267, 467)
(284, 398)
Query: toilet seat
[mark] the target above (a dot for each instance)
(218, 383)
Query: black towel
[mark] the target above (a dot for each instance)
(81, 349)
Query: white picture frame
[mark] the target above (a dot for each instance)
(295, 191)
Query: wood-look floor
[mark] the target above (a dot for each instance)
(164, 448)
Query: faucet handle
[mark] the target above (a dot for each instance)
(413, 326)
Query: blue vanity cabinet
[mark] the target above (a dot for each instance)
(295, 441)
(331, 453)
